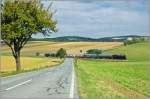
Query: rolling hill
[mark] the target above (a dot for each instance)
(78, 38)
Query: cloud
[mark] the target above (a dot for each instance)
(101, 18)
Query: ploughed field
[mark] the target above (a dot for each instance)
(115, 79)
(71, 47)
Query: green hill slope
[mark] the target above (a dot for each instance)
(115, 79)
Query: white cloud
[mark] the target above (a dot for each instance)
(98, 17)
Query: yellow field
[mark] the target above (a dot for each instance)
(28, 63)
(72, 47)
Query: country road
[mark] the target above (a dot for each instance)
(54, 82)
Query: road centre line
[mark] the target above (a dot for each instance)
(19, 84)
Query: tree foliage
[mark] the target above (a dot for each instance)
(61, 53)
(94, 51)
(20, 19)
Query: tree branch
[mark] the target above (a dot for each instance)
(24, 41)
(10, 45)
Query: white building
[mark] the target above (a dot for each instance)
(129, 38)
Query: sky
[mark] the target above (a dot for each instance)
(100, 18)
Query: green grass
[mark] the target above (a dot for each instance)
(129, 79)
(134, 52)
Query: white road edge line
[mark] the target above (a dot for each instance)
(19, 84)
(71, 95)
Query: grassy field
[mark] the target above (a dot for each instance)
(110, 79)
(134, 52)
(72, 47)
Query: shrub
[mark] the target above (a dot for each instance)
(47, 55)
(120, 57)
(80, 51)
(50, 55)
(94, 51)
(37, 54)
(125, 43)
(134, 40)
(53, 55)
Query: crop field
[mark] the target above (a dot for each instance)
(115, 79)
(28, 63)
(72, 47)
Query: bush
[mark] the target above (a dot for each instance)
(37, 54)
(47, 55)
(50, 55)
(125, 43)
(61, 53)
(94, 51)
(81, 51)
(53, 55)
(120, 57)
(134, 40)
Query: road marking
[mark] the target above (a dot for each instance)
(71, 95)
(19, 84)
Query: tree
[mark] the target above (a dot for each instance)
(61, 53)
(37, 54)
(125, 43)
(94, 51)
(47, 54)
(80, 51)
(20, 19)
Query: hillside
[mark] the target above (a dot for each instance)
(78, 38)
(111, 79)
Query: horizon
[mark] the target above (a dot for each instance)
(100, 18)
(88, 37)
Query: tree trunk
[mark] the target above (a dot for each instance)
(18, 64)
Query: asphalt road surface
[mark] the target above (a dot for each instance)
(54, 82)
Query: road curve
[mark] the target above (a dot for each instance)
(54, 82)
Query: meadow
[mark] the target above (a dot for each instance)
(134, 52)
(115, 79)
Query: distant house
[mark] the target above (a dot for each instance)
(129, 38)
(117, 38)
